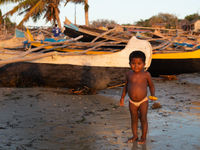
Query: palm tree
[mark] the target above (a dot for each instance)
(86, 13)
(86, 8)
(35, 9)
(38, 8)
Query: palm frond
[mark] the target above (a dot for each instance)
(50, 14)
(23, 5)
(75, 1)
(34, 10)
(86, 6)
(37, 8)
(9, 1)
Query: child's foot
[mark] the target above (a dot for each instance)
(142, 141)
(133, 139)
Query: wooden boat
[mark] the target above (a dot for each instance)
(157, 40)
(91, 68)
(71, 70)
(161, 60)
(93, 34)
(71, 45)
(170, 63)
(75, 32)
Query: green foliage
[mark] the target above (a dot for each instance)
(103, 23)
(9, 25)
(144, 23)
(6, 21)
(192, 17)
(162, 19)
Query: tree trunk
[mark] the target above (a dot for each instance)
(58, 18)
(86, 13)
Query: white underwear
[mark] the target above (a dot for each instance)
(137, 104)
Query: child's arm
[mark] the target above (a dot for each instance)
(124, 92)
(151, 85)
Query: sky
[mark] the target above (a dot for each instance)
(121, 11)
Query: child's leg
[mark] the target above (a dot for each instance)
(134, 122)
(143, 118)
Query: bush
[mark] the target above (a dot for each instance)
(103, 23)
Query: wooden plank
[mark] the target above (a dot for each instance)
(102, 35)
(50, 44)
(105, 36)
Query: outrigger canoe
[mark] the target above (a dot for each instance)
(93, 34)
(169, 63)
(163, 62)
(70, 70)
(94, 70)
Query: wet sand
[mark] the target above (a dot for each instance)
(51, 119)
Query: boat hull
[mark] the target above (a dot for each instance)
(52, 75)
(96, 71)
(28, 74)
(174, 66)
(75, 33)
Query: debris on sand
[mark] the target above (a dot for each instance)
(168, 77)
(83, 91)
(156, 105)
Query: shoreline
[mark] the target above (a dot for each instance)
(49, 118)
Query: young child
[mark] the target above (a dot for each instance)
(136, 84)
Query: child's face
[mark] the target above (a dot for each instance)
(137, 64)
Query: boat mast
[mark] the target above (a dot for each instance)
(86, 13)
(75, 14)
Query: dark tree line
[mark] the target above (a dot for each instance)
(167, 20)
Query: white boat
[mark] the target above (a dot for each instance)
(71, 70)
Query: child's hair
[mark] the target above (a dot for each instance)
(137, 54)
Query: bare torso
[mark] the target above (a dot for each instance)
(137, 85)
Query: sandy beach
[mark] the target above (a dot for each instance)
(52, 119)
